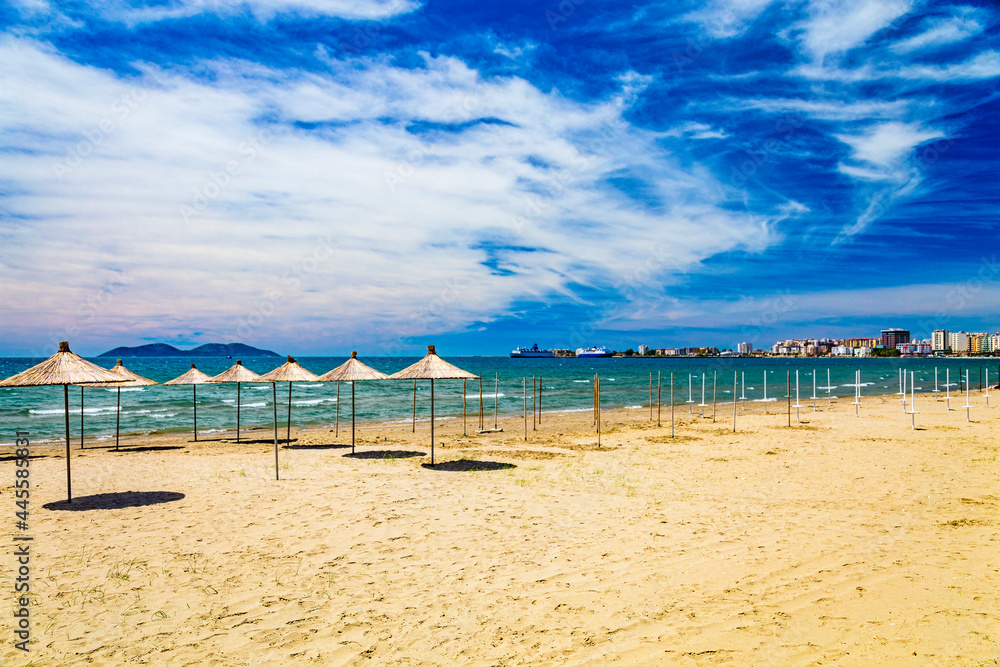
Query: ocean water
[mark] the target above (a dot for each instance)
(568, 385)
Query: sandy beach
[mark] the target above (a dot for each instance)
(841, 540)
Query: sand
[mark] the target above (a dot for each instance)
(840, 540)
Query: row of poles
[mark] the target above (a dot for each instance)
(597, 423)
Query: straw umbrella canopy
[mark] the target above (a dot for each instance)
(65, 368)
(352, 371)
(290, 371)
(193, 377)
(239, 374)
(134, 380)
(432, 367)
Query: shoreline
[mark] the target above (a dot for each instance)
(487, 415)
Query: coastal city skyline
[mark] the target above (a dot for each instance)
(397, 173)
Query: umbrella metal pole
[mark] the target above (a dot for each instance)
(432, 421)
(352, 416)
(69, 478)
(715, 393)
(413, 426)
(671, 405)
(288, 424)
(534, 425)
(524, 390)
(659, 391)
(598, 410)
(274, 399)
(481, 403)
(336, 432)
(81, 416)
(194, 404)
(118, 416)
(464, 418)
(237, 412)
(734, 401)
(788, 391)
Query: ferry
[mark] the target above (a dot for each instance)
(532, 352)
(593, 352)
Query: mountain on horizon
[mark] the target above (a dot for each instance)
(206, 350)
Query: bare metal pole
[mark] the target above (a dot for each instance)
(659, 391)
(534, 407)
(496, 398)
(651, 396)
(481, 425)
(464, 417)
(539, 400)
(734, 401)
(672, 405)
(524, 390)
(715, 383)
(789, 392)
(598, 392)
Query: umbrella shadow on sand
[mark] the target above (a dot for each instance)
(317, 446)
(384, 454)
(468, 465)
(111, 501)
(145, 448)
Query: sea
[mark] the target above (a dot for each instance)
(567, 385)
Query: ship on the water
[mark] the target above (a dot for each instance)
(593, 352)
(532, 352)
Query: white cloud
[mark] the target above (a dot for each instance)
(825, 109)
(345, 227)
(773, 314)
(262, 9)
(941, 31)
(836, 26)
(887, 144)
(723, 19)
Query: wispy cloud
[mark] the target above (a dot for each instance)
(941, 31)
(836, 26)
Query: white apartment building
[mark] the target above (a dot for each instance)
(643, 349)
(744, 348)
(940, 342)
(959, 341)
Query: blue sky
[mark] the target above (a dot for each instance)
(315, 177)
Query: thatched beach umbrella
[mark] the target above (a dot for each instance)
(239, 374)
(63, 368)
(290, 371)
(352, 371)
(134, 380)
(193, 377)
(432, 367)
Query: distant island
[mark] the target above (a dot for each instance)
(206, 350)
